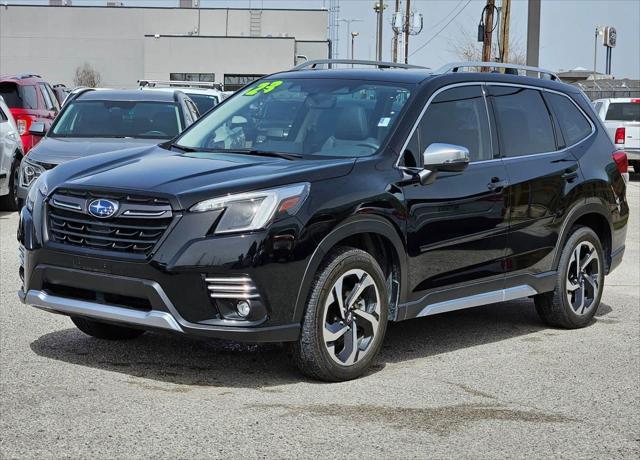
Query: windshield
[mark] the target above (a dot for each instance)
(204, 102)
(331, 117)
(137, 119)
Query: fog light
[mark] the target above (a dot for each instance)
(244, 308)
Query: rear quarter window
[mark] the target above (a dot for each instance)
(573, 123)
(624, 111)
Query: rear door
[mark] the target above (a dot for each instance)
(542, 174)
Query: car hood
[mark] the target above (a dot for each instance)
(56, 150)
(191, 177)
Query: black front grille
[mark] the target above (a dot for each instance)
(136, 227)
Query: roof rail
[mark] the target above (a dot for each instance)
(330, 62)
(541, 73)
(29, 75)
(193, 84)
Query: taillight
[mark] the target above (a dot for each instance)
(635, 101)
(22, 126)
(622, 163)
(620, 135)
(23, 122)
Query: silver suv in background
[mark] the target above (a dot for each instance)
(206, 95)
(11, 151)
(621, 117)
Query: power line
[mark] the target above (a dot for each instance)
(443, 27)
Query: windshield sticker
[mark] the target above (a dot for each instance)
(264, 87)
(384, 122)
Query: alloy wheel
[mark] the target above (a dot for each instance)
(351, 317)
(583, 278)
(14, 187)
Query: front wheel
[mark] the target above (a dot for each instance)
(11, 202)
(346, 317)
(576, 297)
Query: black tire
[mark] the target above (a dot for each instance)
(11, 202)
(310, 352)
(555, 308)
(105, 331)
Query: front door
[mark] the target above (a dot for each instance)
(456, 226)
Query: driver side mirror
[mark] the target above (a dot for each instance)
(442, 157)
(38, 128)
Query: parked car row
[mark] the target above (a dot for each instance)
(57, 124)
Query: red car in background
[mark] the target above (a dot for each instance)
(30, 99)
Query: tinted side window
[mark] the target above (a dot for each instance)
(3, 117)
(28, 96)
(458, 116)
(574, 125)
(45, 95)
(524, 124)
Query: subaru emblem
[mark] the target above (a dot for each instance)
(102, 208)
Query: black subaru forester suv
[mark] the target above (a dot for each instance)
(315, 205)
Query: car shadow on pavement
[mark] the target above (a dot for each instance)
(194, 362)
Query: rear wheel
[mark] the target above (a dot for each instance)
(11, 202)
(346, 318)
(105, 331)
(578, 291)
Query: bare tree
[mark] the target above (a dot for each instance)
(87, 76)
(467, 48)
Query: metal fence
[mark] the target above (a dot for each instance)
(604, 89)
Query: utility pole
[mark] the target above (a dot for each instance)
(379, 9)
(488, 30)
(504, 30)
(407, 29)
(394, 48)
(533, 33)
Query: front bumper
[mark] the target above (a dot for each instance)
(154, 319)
(189, 285)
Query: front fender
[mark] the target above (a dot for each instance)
(351, 226)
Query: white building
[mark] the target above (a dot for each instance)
(123, 44)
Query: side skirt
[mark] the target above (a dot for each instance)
(517, 287)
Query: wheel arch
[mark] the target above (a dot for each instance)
(371, 233)
(595, 216)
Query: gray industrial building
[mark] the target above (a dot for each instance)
(125, 44)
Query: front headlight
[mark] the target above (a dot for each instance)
(254, 210)
(29, 171)
(39, 187)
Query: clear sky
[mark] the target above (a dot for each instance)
(566, 38)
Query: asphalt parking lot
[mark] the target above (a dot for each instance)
(484, 383)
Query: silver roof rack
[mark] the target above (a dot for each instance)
(192, 84)
(541, 73)
(329, 63)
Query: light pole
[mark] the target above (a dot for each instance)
(348, 22)
(353, 39)
(599, 32)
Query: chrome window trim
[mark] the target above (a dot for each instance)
(483, 85)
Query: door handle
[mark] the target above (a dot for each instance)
(497, 184)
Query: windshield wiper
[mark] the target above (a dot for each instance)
(183, 148)
(265, 153)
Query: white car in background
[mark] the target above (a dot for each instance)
(206, 95)
(11, 152)
(621, 117)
